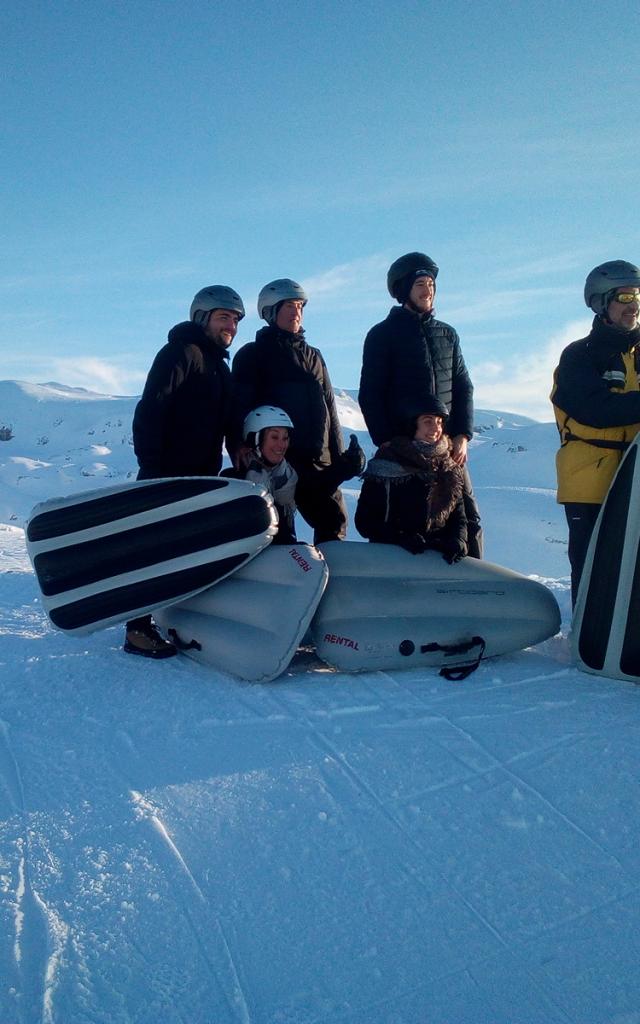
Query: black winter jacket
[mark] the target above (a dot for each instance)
(181, 420)
(596, 402)
(407, 358)
(406, 493)
(591, 373)
(281, 369)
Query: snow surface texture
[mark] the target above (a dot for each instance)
(177, 846)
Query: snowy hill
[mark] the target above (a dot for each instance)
(65, 440)
(176, 846)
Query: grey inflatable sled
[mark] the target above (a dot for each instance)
(251, 624)
(386, 609)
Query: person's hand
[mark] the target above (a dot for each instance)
(460, 444)
(353, 459)
(414, 543)
(454, 551)
(242, 458)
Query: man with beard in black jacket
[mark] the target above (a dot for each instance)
(410, 357)
(183, 417)
(596, 401)
(280, 369)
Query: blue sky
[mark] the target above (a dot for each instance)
(153, 148)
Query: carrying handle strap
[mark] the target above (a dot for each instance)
(460, 672)
(193, 645)
(596, 442)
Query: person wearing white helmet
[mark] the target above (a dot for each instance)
(183, 416)
(267, 435)
(596, 402)
(410, 357)
(279, 368)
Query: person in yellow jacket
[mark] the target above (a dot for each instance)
(596, 401)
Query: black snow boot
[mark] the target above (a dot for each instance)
(144, 638)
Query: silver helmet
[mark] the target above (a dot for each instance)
(261, 418)
(603, 281)
(215, 296)
(276, 292)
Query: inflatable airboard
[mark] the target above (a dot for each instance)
(251, 624)
(606, 622)
(108, 555)
(387, 609)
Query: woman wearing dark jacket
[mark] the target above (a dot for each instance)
(412, 491)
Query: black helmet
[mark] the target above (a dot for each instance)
(430, 405)
(416, 264)
(605, 279)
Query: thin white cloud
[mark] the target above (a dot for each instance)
(363, 275)
(560, 263)
(98, 274)
(523, 384)
(497, 304)
(95, 375)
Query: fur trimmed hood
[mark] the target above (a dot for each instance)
(403, 459)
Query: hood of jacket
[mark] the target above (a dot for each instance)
(188, 333)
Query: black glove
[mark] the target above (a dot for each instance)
(454, 551)
(412, 542)
(353, 460)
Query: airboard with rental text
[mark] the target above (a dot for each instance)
(387, 609)
(250, 625)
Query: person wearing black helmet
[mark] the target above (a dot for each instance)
(183, 416)
(412, 490)
(409, 357)
(596, 402)
(281, 369)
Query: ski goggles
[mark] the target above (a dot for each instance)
(626, 297)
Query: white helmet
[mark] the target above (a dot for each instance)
(276, 292)
(215, 296)
(261, 418)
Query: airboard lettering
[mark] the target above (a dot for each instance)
(341, 641)
(302, 562)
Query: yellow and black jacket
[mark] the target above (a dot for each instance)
(596, 401)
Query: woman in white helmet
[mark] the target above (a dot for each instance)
(266, 434)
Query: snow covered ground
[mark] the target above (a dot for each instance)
(177, 846)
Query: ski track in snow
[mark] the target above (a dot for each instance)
(40, 936)
(507, 766)
(233, 991)
(360, 785)
(195, 850)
